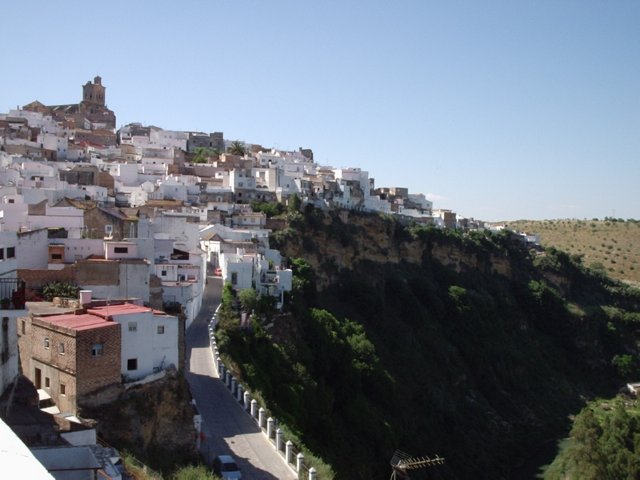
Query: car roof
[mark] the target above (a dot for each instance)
(226, 458)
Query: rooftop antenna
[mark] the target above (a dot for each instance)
(401, 462)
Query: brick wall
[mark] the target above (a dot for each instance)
(95, 372)
(97, 273)
(67, 363)
(37, 278)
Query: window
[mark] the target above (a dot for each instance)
(61, 348)
(63, 389)
(163, 273)
(1, 253)
(11, 252)
(160, 329)
(47, 382)
(46, 342)
(56, 256)
(132, 364)
(234, 278)
(133, 326)
(96, 350)
(121, 250)
(24, 326)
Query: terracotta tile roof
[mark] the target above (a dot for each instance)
(85, 321)
(124, 309)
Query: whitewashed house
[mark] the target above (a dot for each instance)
(12, 306)
(150, 338)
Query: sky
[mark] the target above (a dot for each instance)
(498, 110)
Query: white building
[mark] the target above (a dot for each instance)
(168, 138)
(12, 305)
(16, 458)
(69, 218)
(150, 339)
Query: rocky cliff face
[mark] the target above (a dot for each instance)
(484, 349)
(344, 239)
(153, 421)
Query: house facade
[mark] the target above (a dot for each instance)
(69, 355)
(150, 339)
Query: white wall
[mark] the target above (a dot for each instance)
(67, 217)
(238, 268)
(110, 248)
(13, 216)
(80, 248)
(32, 251)
(8, 266)
(127, 173)
(16, 456)
(10, 369)
(145, 344)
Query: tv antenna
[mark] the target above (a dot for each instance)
(402, 462)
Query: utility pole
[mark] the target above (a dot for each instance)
(402, 462)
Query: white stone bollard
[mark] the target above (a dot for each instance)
(233, 386)
(254, 407)
(288, 449)
(278, 440)
(239, 396)
(247, 401)
(269, 427)
(312, 473)
(299, 462)
(221, 370)
(261, 417)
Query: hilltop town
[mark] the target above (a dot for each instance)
(107, 236)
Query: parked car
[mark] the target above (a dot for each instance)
(225, 466)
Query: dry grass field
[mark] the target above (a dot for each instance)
(610, 245)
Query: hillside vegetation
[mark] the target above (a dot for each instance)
(610, 245)
(432, 342)
(604, 443)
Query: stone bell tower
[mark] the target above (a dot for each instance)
(94, 93)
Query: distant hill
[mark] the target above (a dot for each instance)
(610, 245)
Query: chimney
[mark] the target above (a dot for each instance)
(85, 298)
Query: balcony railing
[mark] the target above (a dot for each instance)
(12, 294)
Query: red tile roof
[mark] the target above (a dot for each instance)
(124, 309)
(83, 321)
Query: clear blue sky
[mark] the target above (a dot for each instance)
(499, 110)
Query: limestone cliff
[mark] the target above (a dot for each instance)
(342, 239)
(153, 421)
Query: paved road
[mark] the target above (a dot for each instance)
(226, 426)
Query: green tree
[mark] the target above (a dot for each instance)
(269, 209)
(237, 148)
(202, 154)
(194, 472)
(294, 203)
(248, 299)
(625, 365)
(59, 289)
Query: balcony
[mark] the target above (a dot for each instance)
(269, 277)
(12, 294)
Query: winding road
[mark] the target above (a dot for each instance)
(226, 427)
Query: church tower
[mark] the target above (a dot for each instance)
(93, 93)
